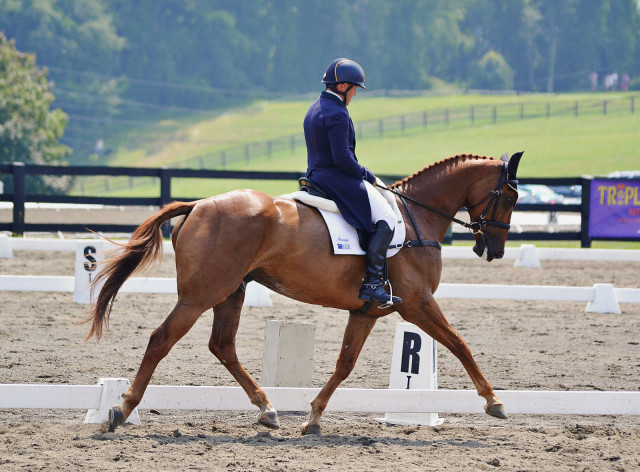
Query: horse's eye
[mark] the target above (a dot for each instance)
(510, 201)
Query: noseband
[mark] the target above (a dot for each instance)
(476, 227)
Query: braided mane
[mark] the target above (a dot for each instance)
(436, 164)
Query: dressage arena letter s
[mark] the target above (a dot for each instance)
(87, 265)
(92, 264)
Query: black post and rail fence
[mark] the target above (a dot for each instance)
(19, 197)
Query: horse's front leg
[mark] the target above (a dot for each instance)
(429, 317)
(355, 334)
(223, 345)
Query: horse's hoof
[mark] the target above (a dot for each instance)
(497, 410)
(116, 418)
(311, 429)
(269, 419)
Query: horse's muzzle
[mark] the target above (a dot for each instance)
(483, 249)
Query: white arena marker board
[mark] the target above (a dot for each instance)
(413, 367)
(88, 257)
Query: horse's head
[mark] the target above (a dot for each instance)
(490, 207)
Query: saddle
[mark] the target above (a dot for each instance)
(344, 237)
(312, 189)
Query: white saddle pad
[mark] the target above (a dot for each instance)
(344, 237)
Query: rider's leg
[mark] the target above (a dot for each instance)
(380, 208)
(384, 219)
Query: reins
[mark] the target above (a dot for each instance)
(475, 226)
(472, 226)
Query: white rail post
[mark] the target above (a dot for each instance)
(604, 300)
(414, 366)
(5, 247)
(112, 390)
(288, 354)
(528, 257)
(256, 295)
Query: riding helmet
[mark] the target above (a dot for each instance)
(344, 70)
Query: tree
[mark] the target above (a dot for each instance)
(491, 72)
(78, 43)
(622, 45)
(510, 28)
(118, 64)
(182, 52)
(29, 129)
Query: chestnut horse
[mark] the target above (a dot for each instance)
(225, 241)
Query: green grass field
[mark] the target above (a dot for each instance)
(562, 145)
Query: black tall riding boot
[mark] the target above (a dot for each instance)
(372, 287)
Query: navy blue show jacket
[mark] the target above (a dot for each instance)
(333, 166)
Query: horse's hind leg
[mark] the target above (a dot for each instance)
(223, 345)
(177, 324)
(429, 317)
(355, 334)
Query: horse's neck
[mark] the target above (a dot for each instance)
(444, 187)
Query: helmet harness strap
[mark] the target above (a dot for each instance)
(342, 94)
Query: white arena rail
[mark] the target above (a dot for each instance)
(48, 396)
(566, 254)
(451, 252)
(601, 298)
(62, 283)
(64, 245)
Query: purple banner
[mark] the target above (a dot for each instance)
(614, 208)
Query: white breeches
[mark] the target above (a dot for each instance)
(380, 208)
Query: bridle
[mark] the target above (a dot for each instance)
(477, 226)
(494, 199)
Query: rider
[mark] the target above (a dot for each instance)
(333, 166)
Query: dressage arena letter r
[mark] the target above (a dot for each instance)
(410, 348)
(91, 265)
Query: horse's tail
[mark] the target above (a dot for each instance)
(142, 250)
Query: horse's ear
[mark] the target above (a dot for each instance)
(505, 157)
(512, 167)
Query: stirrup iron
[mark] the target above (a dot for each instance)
(384, 306)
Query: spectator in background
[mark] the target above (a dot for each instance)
(611, 81)
(99, 149)
(593, 78)
(624, 82)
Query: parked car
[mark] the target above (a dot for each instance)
(625, 174)
(572, 193)
(535, 193)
